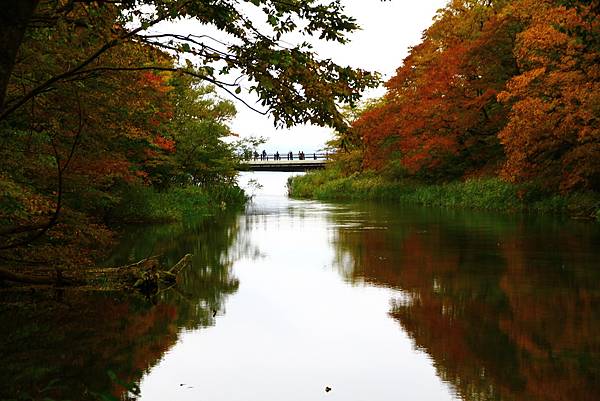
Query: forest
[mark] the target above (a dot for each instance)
(108, 117)
(497, 107)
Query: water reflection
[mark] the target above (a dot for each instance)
(68, 342)
(71, 339)
(377, 302)
(507, 307)
(201, 288)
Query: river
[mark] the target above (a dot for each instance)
(303, 300)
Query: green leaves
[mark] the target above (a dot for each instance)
(293, 84)
(186, 47)
(299, 88)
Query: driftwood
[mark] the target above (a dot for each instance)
(145, 276)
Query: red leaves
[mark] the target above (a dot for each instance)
(168, 145)
(441, 101)
(517, 84)
(103, 171)
(152, 78)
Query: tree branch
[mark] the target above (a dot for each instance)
(220, 84)
(42, 229)
(57, 78)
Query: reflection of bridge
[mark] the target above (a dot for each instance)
(295, 162)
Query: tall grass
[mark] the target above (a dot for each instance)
(480, 193)
(141, 204)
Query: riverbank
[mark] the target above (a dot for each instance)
(479, 193)
(67, 257)
(146, 205)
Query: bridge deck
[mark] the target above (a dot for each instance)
(285, 165)
(286, 162)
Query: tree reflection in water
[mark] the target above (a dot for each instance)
(73, 338)
(507, 307)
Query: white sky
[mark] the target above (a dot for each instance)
(388, 30)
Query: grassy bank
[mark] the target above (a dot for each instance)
(147, 205)
(481, 193)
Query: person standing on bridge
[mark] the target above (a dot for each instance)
(291, 156)
(263, 156)
(255, 155)
(277, 155)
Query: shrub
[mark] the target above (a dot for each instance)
(142, 204)
(478, 193)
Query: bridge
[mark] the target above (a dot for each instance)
(287, 162)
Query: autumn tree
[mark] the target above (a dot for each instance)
(440, 116)
(495, 80)
(553, 136)
(63, 155)
(347, 148)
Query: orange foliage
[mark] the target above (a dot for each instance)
(440, 116)
(512, 84)
(553, 134)
(165, 144)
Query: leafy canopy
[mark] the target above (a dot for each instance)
(291, 82)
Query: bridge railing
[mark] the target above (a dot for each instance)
(288, 156)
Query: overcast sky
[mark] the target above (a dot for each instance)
(389, 29)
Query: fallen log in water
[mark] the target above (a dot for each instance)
(145, 276)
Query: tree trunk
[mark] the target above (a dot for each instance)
(14, 18)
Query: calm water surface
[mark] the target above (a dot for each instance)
(377, 302)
